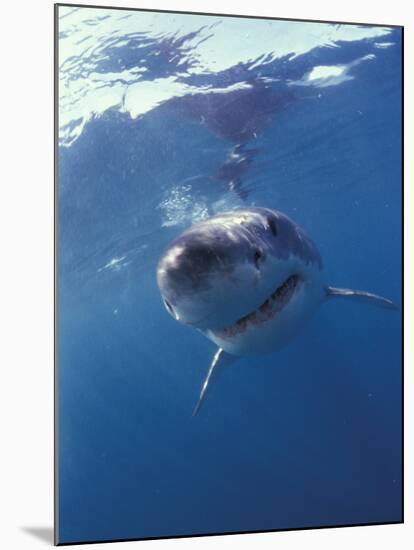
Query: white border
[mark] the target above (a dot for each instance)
(26, 305)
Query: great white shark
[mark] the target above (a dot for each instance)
(248, 279)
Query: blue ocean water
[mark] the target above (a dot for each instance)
(166, 119)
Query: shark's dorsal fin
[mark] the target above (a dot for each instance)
(220, 357)
(361, 295)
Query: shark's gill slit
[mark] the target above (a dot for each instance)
(267, 310)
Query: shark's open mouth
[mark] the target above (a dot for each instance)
(267, 311)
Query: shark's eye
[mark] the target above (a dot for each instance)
(257, 257)
(272, 226)
(168, 307)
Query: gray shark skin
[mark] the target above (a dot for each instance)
(249, 280)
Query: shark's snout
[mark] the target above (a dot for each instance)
(186, 273)
(187, 268)
(202, 274)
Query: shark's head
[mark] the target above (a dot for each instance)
(236, 274)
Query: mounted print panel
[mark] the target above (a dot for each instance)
(228, 274)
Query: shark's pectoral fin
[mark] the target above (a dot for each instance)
(222, 358)
(360, 295)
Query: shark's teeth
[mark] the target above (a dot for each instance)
(268, 310)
